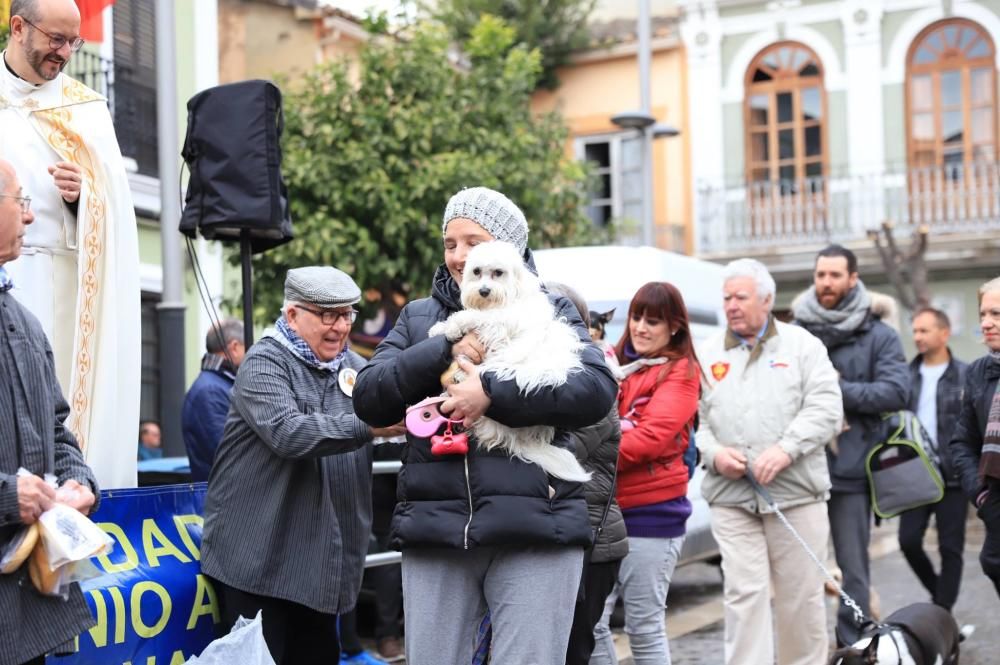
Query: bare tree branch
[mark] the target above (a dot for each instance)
(907, 272)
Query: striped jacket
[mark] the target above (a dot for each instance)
(288, 510)
(32, 435)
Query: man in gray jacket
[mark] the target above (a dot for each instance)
(874, 379)
(33, 436)
(288, 510)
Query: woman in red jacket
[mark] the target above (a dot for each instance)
(657, 403)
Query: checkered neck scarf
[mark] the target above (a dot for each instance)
(6, 283)
(298, 346)
(989, 462)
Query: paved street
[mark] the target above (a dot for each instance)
(694, 619)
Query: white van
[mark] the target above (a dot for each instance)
(607, 277)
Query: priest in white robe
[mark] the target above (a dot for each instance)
(79, 270)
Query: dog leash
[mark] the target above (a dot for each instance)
(859, 616)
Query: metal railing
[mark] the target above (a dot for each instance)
(384, 558)
(953, 198)
(131, 100)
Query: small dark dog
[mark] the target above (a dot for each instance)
(598, 321)
(918, 634)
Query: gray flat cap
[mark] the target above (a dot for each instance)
(323, 286)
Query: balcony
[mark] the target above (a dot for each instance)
(773, 217)
(132, 101)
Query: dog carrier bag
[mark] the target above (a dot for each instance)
(903, 470)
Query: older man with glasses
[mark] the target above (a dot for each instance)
(59, 135)
(32, 436)
(288, 511)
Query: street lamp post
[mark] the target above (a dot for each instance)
(643, 121)
(170, 311)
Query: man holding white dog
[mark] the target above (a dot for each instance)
(490, 542)
(771, 404)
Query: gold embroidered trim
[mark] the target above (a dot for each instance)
(28, 103)
(69, 146)
(75, 92)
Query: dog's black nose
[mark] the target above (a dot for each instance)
(484, 291)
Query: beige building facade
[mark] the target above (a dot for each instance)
(603, 81)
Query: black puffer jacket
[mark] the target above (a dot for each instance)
(949, 405)
(597, 450)
(483, 498)
(874, 379)
(967, 441)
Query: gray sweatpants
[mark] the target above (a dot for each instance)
(529, 591)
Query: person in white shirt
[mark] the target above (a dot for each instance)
(936, 384)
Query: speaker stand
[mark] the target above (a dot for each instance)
(245, 256)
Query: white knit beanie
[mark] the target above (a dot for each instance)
(491, 210)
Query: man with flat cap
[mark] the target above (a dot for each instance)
(288, 510)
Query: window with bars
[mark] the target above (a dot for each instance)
(135, 82)
(784, 115)
(616, 162)
(951, 92)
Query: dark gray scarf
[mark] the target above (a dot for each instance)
(833, 326)
(989, 462)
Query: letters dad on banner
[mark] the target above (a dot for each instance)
(152, 604)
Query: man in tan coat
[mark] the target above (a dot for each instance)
(771, 403)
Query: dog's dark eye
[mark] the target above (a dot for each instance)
(476, 272)
(497, 274)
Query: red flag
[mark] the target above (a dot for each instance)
(91, 19)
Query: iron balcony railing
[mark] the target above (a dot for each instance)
(760, 216)
(132, 101)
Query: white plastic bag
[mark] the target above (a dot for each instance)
(18, 549)
(69, 536)
(67, 539)
(244, 645)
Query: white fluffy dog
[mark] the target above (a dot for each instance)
(524, 341)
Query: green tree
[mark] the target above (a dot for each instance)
(4, 36)
(370, 163)
(555, 27)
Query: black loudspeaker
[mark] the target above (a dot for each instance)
(233, 152)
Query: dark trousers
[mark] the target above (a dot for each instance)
(850, 526)
(347, 629)
(295, 634)
(387, 582)
(989, 556)
(36, 661)
(597, 582)
(949, 518)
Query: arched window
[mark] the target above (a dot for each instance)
(784, 116)
(951, 97)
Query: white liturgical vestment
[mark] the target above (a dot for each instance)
(79, 273)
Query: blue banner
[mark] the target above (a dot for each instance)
(151, 603)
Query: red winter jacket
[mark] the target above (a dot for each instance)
(651, 467)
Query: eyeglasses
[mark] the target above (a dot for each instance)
(328, 316)
(25, 201)
(56, 42)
